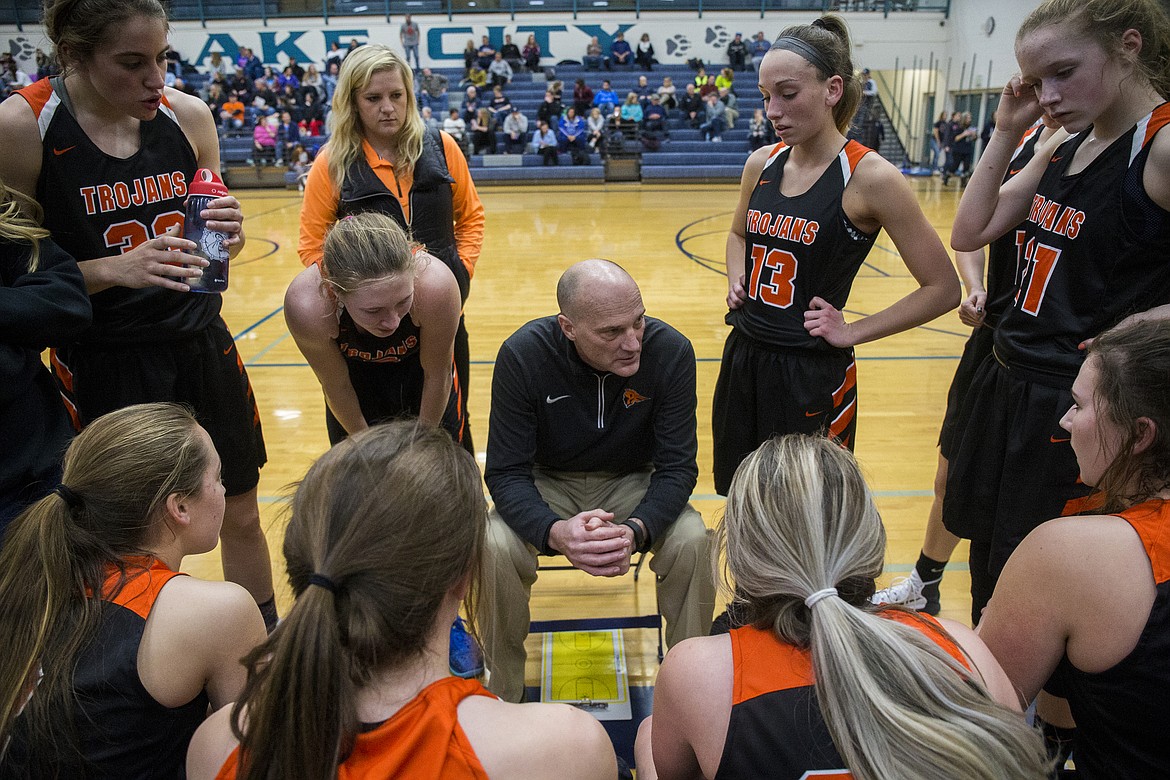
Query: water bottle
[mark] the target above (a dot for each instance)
(211, 245)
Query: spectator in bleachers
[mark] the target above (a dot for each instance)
(264, 141)
(299, 161)
(545, 142)
(215, 98)
(476, 77)
(329, 79)
(557, 87)
(511, 54)
(408, 36)
(571, 134)
(620, 52)
(231, 113)
(217, 63)
(240, 83)
(485, 53)
(250, 64)
(270, 77)
(725, 79)
(433, 90)
(46, 65)
(13, 78)
(606, 99)
(471, 104)
(582, 98)
(353, 46)
(335, 55)
(691, 106)
(184, 87)
(499, 103)
(737, 52)
(500, 71)
(758, 48)
(288, 78)
(428, 118)
(531, 54)
(594, 59)
(644, 91)
(703, 83)
(288, 136)
(297, 70)
(483, 132)
(644, 52)
(758, 130)
(666, 94)
(595, 127)
(470, 55)
(455, 127)
(312, 114)
(313, 81)
(290, 100)
(654, 129)
(728, 99)
(715, 118)
(630, 114)
(550, 109)
(515, 131)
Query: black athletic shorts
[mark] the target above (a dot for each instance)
(203, 371)
(1012, 466)
(975, 351)
(763, 391)
(387, 391)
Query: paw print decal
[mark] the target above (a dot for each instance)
(718, 36)
(677, 44)
(21, 49)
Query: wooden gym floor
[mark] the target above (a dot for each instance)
(671, 239)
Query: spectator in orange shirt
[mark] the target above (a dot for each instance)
(381, 158)
(231, 115)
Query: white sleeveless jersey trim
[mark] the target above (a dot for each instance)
(47, 114)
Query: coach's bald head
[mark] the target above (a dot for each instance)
(603, 315)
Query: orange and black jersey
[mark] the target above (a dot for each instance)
(1122, 712)
(422, 741)
(122, 732)
(798, 248)
(776, 730)
(97, 206)
(358, 346)
(1005, 255)
(1094, 251)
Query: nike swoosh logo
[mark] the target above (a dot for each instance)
(60, 152)
(548, 399)
(228, 351)
(1057, 159)
(1013, 173)
(765, 181)
(812, 414)
(1055, 440)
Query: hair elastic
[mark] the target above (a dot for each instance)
(321, 581)
(820, 595)
(794, 44)
(72, 499)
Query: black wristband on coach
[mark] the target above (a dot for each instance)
(639, 534)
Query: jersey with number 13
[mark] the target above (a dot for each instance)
(96, 205)
(798, 248)
(1094, 249)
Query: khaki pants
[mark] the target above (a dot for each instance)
(680, 561)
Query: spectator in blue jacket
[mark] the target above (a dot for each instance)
(620, 52)
(605, 98)
(757, 49)
(572, 137)
(716, 119)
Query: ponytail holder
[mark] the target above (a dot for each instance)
(321, 581)
(820, 595)
(69, 497)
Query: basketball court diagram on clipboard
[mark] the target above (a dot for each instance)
(586, 669)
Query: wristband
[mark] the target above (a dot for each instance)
(639, 534)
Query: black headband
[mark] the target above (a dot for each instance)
(793, 44)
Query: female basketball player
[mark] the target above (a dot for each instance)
(383, 545)
(42, 302)
(129, 654)
(381, 158)
(980, 310)
(817, 681)
(1051, 622)
(1093, 246)
(376, 320)
(809, 211)
(117, 151)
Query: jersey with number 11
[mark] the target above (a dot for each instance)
(797, 248)
(97, 205)
(1094, 249)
